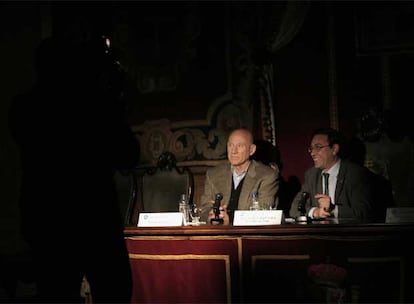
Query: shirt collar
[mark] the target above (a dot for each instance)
(334, 170)
(242, 173)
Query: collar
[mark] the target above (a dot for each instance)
(334, 170)
(233, 170)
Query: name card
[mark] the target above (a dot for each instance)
(257, 217)
(160, 219)
(400, 215)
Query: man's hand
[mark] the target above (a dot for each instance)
(223, 214)
(323, 210)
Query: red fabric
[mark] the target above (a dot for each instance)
(184, 271)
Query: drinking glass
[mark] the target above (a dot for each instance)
(195, 213)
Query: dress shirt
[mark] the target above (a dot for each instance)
(333, 177)
(238, 177)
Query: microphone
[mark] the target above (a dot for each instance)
(216, 208)
(302, 207)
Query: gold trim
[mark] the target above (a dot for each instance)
(374, 259)
(156, 238)
(281, 257)
(292, 257)
(352, 238)
(214, 237)
(240, 258)
(178, 238)
(225, 258)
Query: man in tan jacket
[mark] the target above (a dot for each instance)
(238, 178)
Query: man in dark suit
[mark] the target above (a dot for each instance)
(238, 178)
(347, 194)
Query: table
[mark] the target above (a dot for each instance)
(268, 264)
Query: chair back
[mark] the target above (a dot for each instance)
(159, 188)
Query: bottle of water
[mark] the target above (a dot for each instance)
(184, 208)
(254, 202)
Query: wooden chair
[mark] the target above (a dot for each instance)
(158, 188)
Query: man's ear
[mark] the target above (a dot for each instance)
(252, 149)
(335, 149)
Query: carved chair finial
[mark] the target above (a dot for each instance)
(166, 161)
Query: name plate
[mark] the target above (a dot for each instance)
(400, 215)
(160, 219)
(257, 217)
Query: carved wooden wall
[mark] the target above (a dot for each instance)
(196, 80)
(195, 70)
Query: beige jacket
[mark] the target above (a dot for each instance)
(259, 178)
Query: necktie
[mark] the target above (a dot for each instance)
(326, 183)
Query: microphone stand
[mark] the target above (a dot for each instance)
(216, 208)
(302, 207)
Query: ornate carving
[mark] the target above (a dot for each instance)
(187, 144)
(206, 63)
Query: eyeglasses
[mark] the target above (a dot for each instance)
(317, 148)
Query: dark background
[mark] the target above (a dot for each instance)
(346, 58)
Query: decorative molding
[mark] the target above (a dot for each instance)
(238, 94)
(332, 80)
(191, 143)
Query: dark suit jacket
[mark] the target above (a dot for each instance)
(353, 194)
(259, 178)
